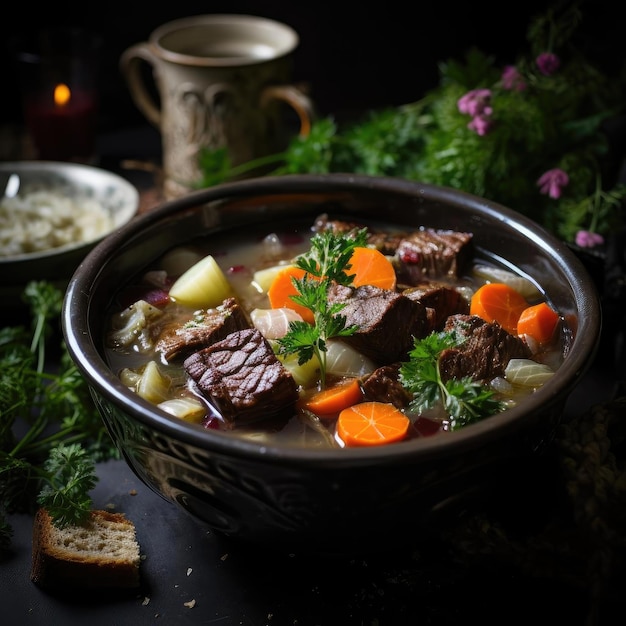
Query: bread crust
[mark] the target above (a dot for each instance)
(102, 554)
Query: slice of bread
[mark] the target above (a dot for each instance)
(102, 554)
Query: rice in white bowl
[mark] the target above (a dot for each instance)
(45, 219)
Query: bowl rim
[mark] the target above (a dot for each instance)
(103, 380)
(61, 167)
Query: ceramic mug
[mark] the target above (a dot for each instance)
(222, 82)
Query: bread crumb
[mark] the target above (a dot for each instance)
(146, 601)
(190, 604)
(133, 492)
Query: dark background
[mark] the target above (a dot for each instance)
(354, 56)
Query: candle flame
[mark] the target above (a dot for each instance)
(62, 94)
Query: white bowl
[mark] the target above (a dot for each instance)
(75, 182)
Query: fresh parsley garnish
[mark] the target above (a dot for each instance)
(325, 264)
(465, 400)
(566, 120)
(71, 475)
(51, 434)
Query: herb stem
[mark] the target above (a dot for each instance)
(67, 435)
(244, 168)
(34, 431)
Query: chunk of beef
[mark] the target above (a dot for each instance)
(440, 299)
(428, 254)
(181, 338)
(463, 324)
(383, 385)
(322, 223)
(385, 242)
(485, 353)
(387, 321)
(421, 254)
(241, 376)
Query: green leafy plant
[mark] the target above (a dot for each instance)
(70, 476)
(325, 264)
(464, 399)
(51, 434)
(531, 135)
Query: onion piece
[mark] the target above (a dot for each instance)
(274, 323)
(130, 326)
(188, 409)
(498, 275)
(527, 373)
(501, 385)
(153, 385)
(343, 360)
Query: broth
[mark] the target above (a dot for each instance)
(242, 260)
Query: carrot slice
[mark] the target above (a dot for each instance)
(497, 302)
(539, 321)
(371, 267)
(372, 424)
(281, 290)
(332, 400)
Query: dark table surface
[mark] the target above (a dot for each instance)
(499, 561)
(190, 575)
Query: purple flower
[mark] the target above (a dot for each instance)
(548, 63)
(512, 79)
(475, 102)
(587, 239)
(551, 183)
(481, 124)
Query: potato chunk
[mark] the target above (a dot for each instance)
(202, 286)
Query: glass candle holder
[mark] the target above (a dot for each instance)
(58, 78)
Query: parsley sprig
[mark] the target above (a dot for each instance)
(70, 476)
(51, 434)
(325, 264)
(464, 399)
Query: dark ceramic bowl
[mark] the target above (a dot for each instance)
(281, 494)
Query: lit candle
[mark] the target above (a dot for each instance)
(63, 124)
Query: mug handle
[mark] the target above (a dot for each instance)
(297, 99)
(131, 62)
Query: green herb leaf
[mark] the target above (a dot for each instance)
(71, 476)
(465, 400)
(51, 433)
(325, 264)
(555, 121)
(330, 254)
